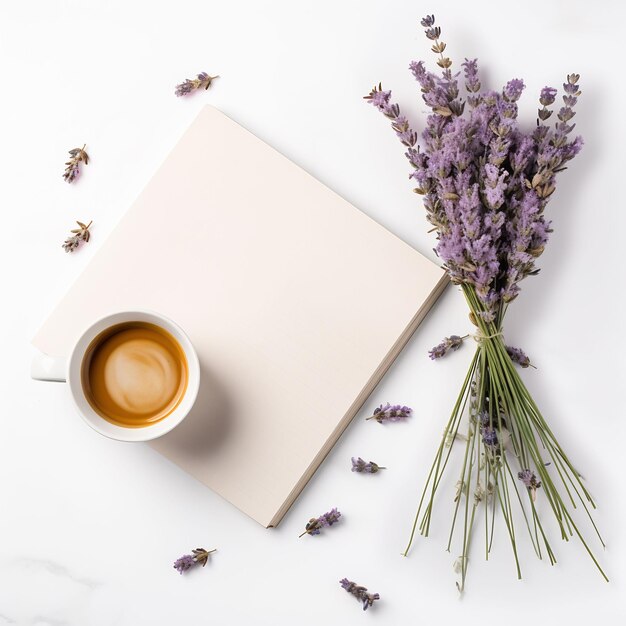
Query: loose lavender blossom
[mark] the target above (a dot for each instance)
(518, 356)
(360, 466)
(189, 85)
(200, 556)
(453, 342)
(360, 593)
(72, 167)
(390, 413)
(316, 524)
(79, 235)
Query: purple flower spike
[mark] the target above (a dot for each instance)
(360, 466)
(547, 96)
(360, 593)
(513, 89)
(184, 563)
(390, 413)
(315, 524)
(518, 356)
(453, 342)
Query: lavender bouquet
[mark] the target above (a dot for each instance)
(486, 183)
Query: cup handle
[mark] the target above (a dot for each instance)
(46, 367)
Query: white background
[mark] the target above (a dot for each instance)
(89, 528)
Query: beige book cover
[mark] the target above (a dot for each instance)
(296, 302)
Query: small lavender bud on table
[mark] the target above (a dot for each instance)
(202, 80)
(390, 413)
(453, 342)
(79, 235)
(315, 524)
(529, 478)
(72, 167)
(200, 556)
(360, 593)
(360, 466)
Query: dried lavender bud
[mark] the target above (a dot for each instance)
(360, 593)
(360, 466)
(80, 234)
(202, 80)
(529, 479)
(187, 561)
(72, 169)
(453, 342)
(315, 524)
(391, 413)
(518, 356)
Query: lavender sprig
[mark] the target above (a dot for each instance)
(519, 356)
(203, 80)
(72, 167)
(453, 342)
(315, 524)
(80, 234)
(390, 413)
(360, 593)
(360, 466)
(200, 556)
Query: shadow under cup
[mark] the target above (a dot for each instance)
(134, 374)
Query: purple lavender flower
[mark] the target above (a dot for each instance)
(72, 167)
(315, 524)
(390, 413)
(360, 593)
(188, 85)
(184, 563)
(485, 181)
(200, 556)
(513, 89)
(453, 342)
(518, 356)
(547, 96)
(529, 479)
(359, 465)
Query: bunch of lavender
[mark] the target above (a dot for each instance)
(486, 183)
(315, 524)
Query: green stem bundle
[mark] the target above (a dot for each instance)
(495, 397)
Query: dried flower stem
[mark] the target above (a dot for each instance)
(72, 169)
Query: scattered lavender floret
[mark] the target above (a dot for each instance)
(518, 356)
(200, 556)
(189, 85)
(315, 524)
(453, 342)
(80, 234)
(390, 413)
(360, 466)
(360, 593)
(72, 169)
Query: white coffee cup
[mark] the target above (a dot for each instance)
(61, 369)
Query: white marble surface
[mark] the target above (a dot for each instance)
(89, 527)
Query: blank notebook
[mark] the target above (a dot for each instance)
(297, 304)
